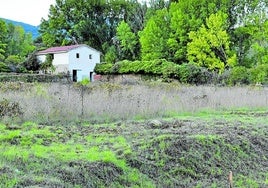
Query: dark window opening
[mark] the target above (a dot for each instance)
(77, 55)
(90, 56)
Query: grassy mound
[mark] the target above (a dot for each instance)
(196, 150)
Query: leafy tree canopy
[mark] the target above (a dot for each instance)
(15, 45)
(210, 45)
(128, 41)
(87, 21)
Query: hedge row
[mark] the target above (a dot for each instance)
(187, 73)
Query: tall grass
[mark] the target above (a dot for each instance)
(113, 101)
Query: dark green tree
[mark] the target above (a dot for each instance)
(3, 42)
(90, 22)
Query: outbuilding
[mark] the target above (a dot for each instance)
(77, 60)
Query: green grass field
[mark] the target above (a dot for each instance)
(151, 135)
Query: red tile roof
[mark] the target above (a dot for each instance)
(59, 49)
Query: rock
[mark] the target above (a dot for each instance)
(155, 123)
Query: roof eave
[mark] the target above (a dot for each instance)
(57, 52)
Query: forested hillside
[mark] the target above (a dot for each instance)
(210, 39)
(15, 46)
(27, 27)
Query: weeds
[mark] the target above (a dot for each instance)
(10, 109)
(106, 102)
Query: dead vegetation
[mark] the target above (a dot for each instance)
(106, 102)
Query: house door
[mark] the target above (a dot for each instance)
(74, 75)
(91, 76)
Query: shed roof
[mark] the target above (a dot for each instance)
(63, 49)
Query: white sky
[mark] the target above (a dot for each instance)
(27, 11)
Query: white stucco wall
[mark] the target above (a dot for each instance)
(84, 65)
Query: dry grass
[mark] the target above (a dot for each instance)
(112, 101)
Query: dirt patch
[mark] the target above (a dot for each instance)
(196, 154)
(89, 174)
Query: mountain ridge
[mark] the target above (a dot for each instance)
(28, 28)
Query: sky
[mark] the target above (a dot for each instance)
(27, 11)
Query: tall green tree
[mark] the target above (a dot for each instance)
(241, 18)
(253, 35)
(3, 42)
(178, 35)
(19, 45)
(153, 38)
(187, 16)
(19, 42)
(128, 41)
(210, 45)
(15, 45)
(90, 22)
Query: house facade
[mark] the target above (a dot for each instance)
(77, 60)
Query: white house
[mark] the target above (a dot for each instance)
(78, 60)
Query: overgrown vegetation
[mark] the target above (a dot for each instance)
(191, 137)
(186, 151)
(187, 72)
(124, 98)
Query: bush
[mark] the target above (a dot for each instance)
(4, 67)
(130, 67)
(103, 68)
(159, 67)
(238, 75)
(185, 73)
(193, 74)
(259, 74)
(10, 109)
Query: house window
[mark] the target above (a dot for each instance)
(77, 55)
(90, 56)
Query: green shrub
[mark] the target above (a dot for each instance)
(103, 68)
(259, 74)
(185, 73)
(4, 67)
(238, 75)
(193, 74)
(159, 67)
(130, 67)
